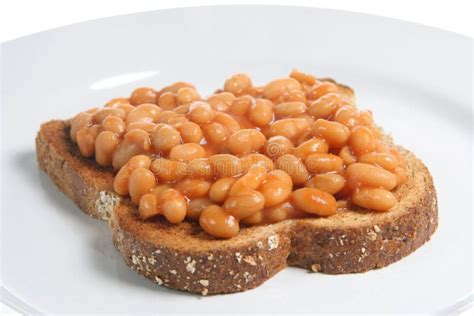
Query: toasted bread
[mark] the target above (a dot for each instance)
(183, 257)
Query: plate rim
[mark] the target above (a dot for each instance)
(20, 305)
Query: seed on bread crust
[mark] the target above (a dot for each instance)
(105, 204)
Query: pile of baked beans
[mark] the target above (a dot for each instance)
(296, 147)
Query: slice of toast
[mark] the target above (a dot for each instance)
(184, 257)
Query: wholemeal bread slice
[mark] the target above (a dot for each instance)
(184, 257)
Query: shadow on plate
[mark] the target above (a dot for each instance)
(104, 258)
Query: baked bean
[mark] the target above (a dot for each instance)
(210, 149)
(190, 132)
(306, 88)
(144, 113)
(400, 158)
(168, 170)
(376, 131)
(237, 84)
(127, 108)
(348, 100)
(117, 101)
(276, 188)
(381, 147)
(240, 106)
(261, 112)
(362, 174)
(173, 205)
(177, 121)
(312, 146)
(114, 124)
(325, 106)
(159, 189)
(249, 181)
(276, 213)
(347, 115)
(256, 91)
(322, 163)
(167, 101)
(244, 204)
(193, 188)
(281, 212)
(250, 160)
(294, 167)
(303, 137)
(386, 161)
(145, 126)
(225, 165)
(141, 181)
(276, 88)
(143, 95)
(292, 96)
(322, 89)
(122, 177)
(245, 141)
(78, 122)
(217, 222)
(401, 174)
(289, 109)
(303, 77)
(168, 116)
(335, 134)
(214, 133)
(201, 113)
(182, 109)
(229, 123)
(196, 206)
(291, 128)
(221, 101)
(327, 182)
(105, 145)
(277, 146)
(138, 161)
(361, 140)
(187, 95)
(314, 201)
(220, 189)
(374, 199)
(174, 88)
(164, 138)
(295, 213)
(148, 206)
(92, 110)
(365, 117)
(86, 140)
(200, 168)
(347, 156)
(187, 152)
(103, 113)
(244, 122)
(254, 219)
(307, 117)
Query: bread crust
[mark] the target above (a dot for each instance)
(185, 258)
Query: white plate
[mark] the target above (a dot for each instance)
(416, 79)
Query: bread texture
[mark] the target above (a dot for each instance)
(184, 257)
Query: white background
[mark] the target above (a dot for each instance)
(24, 17)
